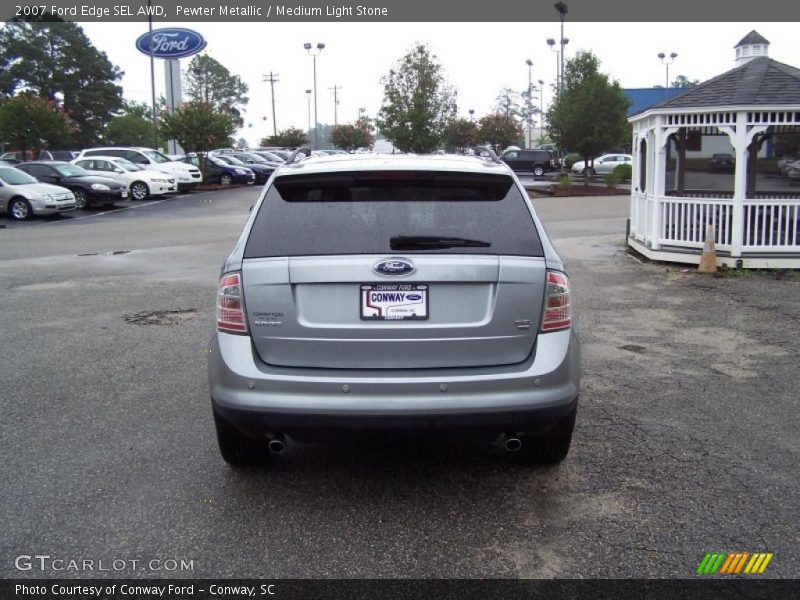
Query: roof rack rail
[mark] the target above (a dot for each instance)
(303, 150)
(486, 153)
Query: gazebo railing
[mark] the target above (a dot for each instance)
(684, 222)
(768, 225)
(773, 226)
(760, 195)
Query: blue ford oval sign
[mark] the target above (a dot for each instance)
(171, 42)
(394, 266)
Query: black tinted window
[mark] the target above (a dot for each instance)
(359, 213)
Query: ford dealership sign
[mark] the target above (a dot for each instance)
(172, 42)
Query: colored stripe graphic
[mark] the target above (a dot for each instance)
(733, 563)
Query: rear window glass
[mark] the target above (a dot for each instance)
(360, 213)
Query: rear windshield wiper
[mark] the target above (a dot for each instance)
(411, 242)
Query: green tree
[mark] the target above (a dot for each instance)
(350, 137)
(460, 134)
(134, 127)
(499, 130)
(57, 62)
(28, 122)
(507, 103)
(288, 138)
(209, 81)
(589, 115)
(681, 81)
(417, 103)
(198, 127)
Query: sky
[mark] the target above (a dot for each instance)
(478, 59)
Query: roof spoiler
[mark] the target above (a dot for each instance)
(303, 150)
(487, 153)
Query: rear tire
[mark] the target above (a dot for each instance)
(552, 447)
(139, 190)
(226, 179)
(19, 209)
(236, 449)
(538, 170)
(80, 199)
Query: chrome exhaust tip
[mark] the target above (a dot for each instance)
(512, 444)
(277, 445)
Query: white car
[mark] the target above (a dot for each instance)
(23, 196)
(186, 176)
(602, 164)
(141, 183)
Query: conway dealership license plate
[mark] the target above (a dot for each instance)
(394, 302)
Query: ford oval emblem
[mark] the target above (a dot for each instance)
(171, 42)
(394, 266)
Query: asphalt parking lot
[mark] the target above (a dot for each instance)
(687, 438)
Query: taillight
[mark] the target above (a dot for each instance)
(557, 306)
(230, 304)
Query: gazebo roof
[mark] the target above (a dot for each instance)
(752, 38)
(759, 82)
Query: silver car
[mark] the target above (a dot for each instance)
(602, 164)
(394, 293)
(22, 196)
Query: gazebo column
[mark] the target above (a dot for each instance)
(740, 138)
(659, 179)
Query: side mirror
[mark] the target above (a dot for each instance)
(117, 170)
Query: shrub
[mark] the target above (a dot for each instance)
(623, 172)
(611, 179)
(564, 181)
(571, 159)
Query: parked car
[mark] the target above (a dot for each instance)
(141, 183)
(537, 162)
(22, 196)
(602, 164)
(262, 167)
(377, 293)
(88, 189)
(270, 156)
(785, 163)
(186, 175)
(66, 155)
(721, 163)
(280, 152)
(9, 162)
(793, 172)
(224, 173)
(261, 171)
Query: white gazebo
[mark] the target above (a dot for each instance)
(755, 214)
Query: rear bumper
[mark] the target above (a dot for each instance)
(312, 403)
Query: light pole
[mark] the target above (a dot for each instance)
(273, 79)
(541, 105)
(562, 10)
(308, 99)
(320, 48)
(472, 114)
(552, 43)
(529, 107)
(361, 112)
(667, 62)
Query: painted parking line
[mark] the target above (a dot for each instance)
(115, 210)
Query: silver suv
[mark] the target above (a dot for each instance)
(387, 293)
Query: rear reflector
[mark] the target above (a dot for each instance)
(230, 305)
(557, 307)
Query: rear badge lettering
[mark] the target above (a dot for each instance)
(394, 266)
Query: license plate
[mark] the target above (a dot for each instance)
(394, 302)
(123, 194)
